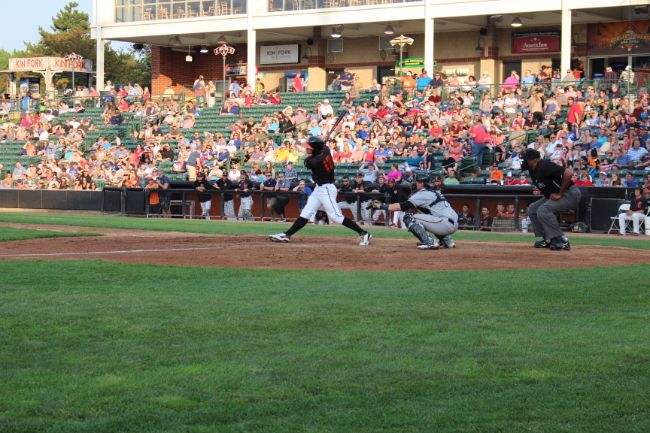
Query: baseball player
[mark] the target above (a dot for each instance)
(246, 199)
(321, 164)
(426, 211)
(560, 195)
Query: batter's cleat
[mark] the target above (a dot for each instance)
(542, 243)
(280, 237)
(560, 243)
(365, 239)
(447, 242)
(433, 245)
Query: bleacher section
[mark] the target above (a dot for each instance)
(211, 121)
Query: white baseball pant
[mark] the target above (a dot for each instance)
(323, 196)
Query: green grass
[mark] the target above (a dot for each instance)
(134, 348)
(19, 234)
(234, 228)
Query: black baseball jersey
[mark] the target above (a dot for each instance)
(225, 184)
(361, 186)
(547, 176)
(391, 192)
(245, 188)
(350, 198)
(204, 196)
(321, 166)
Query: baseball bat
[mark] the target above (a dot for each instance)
(342, 115)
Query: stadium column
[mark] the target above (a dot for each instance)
(99, 80)
(565, 43)
(251, 58)
(251, 49)
(428, 39)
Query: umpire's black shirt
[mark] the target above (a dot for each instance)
(321, 166)
(547, 177)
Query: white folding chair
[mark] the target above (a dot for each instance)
(615, 224)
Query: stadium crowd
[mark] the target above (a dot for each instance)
(589, 126)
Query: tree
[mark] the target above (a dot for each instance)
(70, 32)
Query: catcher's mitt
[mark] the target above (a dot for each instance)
(376, 204)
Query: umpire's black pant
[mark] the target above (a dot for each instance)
(543, 213)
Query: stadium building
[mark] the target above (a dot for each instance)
(274, 39)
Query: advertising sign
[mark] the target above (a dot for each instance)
(535, 42)
(279, 54)
(621, 38)
(52, 63)
(412, 62)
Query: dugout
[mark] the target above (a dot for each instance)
(596, 207)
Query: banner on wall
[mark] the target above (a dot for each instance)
(278, 54)
(29, 84)
(535, 42)
(620, 38)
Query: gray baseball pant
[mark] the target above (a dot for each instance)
(543, 213)
(439, 226)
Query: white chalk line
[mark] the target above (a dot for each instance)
(152, 250)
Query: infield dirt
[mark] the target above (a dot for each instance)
(308, 252)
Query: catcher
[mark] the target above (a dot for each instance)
(426, 211)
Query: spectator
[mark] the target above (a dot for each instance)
(451, 178)
(199, 90)
(304, 191)
(629, 181)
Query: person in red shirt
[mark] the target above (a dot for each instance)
(523, 180)
(480, 138)
(435, 130)
(510, 180)
(275, 98)
(575, 113)
(581, 182)
(369, 154)
(297, 83)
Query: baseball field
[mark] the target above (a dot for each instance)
(114, 324)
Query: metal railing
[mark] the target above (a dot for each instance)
(297, 5)
(150, 10)
(449, 91)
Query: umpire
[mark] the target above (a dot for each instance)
(560, 195)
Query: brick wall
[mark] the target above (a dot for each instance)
(170, 68)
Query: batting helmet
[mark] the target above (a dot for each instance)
(315, 144)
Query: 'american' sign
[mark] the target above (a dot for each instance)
(535, 42)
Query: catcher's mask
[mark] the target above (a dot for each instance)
(421, 177)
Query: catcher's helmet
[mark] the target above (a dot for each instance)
(423, 177)
(315, 144)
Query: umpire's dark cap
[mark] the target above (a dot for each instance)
(532, 154)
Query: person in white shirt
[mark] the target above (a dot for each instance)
(326, 109)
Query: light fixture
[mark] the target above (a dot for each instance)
(389, 30)
(203, 49)
(516, 22)
(337, 32)
(222, 40)
(188, 58)
(480, 43)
